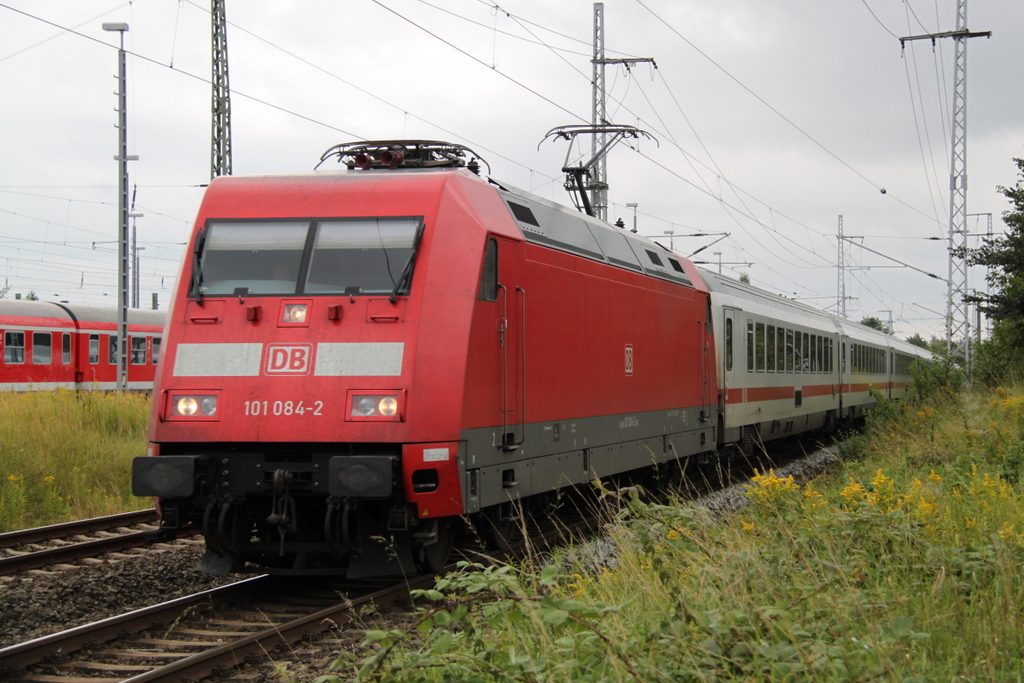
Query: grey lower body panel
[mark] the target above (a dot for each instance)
(553, 455)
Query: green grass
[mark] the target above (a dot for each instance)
(902, 566)
(67, 455)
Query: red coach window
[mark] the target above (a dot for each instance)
(65, 348)
(42, 348)
(94, 349)
(14, 348)
(138, 350)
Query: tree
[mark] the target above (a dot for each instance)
(918, 340)
(32, 296)
(745, 278)
(1004, 257)
(875, 324)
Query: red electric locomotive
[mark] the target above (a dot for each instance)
(358, 359)
(63, 346)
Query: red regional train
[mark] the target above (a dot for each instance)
(68, 346)
(357, 361)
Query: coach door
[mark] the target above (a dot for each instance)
(844, 374)
(730, 336)
(511, 335)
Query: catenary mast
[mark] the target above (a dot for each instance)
(220, 158)
(957, 323)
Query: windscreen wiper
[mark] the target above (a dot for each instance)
(407, 272)
(197, 274)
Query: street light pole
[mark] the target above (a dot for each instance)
(122, 186)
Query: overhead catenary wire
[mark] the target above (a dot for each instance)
(747, 211)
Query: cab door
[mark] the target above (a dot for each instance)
(511, 330)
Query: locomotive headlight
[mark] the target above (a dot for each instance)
(388, 406)
(364, 406)
(208, 406)
(294, 313)
(374, 406)
(187, 405)
(192, 406)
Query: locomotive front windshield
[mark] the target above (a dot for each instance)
(346, 256)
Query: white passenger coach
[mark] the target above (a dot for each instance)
(785, 367)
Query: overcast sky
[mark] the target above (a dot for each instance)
(772, 118)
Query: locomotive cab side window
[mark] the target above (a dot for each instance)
(42, 348)
(14, 348)
(489, 279)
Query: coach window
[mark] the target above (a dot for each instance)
(780, 349)
(94, 349)
(112, 349)
(759, 351)
(789, 350)
(821, 354)
(489, 280)
(798, 352)
(65, 348)
(14, 348)
(156, 349)
(42, 348)
(750, 346)
(771, 348)
(138, 350)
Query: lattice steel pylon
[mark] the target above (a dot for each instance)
(220, 157)
(599, 114)
(957, 323)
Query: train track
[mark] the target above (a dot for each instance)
(225, 631)
(73, 541)
(214, 632)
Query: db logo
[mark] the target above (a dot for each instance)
(288, 359)
(629, 359)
